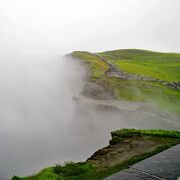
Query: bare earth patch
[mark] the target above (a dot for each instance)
(129, 148)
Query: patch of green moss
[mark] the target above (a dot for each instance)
(139, 54)
(123, 133)
(74, 169)
(70, 171)
(45, 174)
(116, 140)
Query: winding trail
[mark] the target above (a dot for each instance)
(115, 71)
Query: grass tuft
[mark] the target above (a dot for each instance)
(124, 133)
(116, 140)
(74, 169)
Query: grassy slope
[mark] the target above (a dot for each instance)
(166, 70)
(123, 133)
(98, 68)
(88, 171)
(164, 66)
(160, 65)
(137, 54)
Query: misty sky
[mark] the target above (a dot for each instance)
(61, 26)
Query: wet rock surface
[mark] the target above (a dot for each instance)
(94, 90)
(128, 174)
(165, 165)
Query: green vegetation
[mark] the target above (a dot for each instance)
(70, 171)
(165, 97)
(47, 174)
(88, 171)
(126, 133)
(97, 67)
(74, 169)
(138, 54)
(164, 66)
(166, 70)
(116, 140)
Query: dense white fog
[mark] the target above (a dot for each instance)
(40, 122)
(43, 26)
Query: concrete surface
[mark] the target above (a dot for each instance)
(165, 166)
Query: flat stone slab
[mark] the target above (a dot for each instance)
(165, 166)
(130, 174)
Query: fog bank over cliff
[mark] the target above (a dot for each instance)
(42, 123)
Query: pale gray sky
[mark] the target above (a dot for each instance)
(61, 26)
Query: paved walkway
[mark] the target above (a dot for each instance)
(164, 166)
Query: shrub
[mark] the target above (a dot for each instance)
(124, 133)
(74, 169)
(115, 140)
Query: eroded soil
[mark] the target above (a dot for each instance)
(130, 147)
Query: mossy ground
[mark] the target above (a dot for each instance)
(167, 70)
(138, 54)
(90, 171)
(125, 133)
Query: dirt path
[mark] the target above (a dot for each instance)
(115, 71)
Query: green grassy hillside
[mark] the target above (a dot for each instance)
(164, 66)
(98, 68)
(167, 70)
(138, 54)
